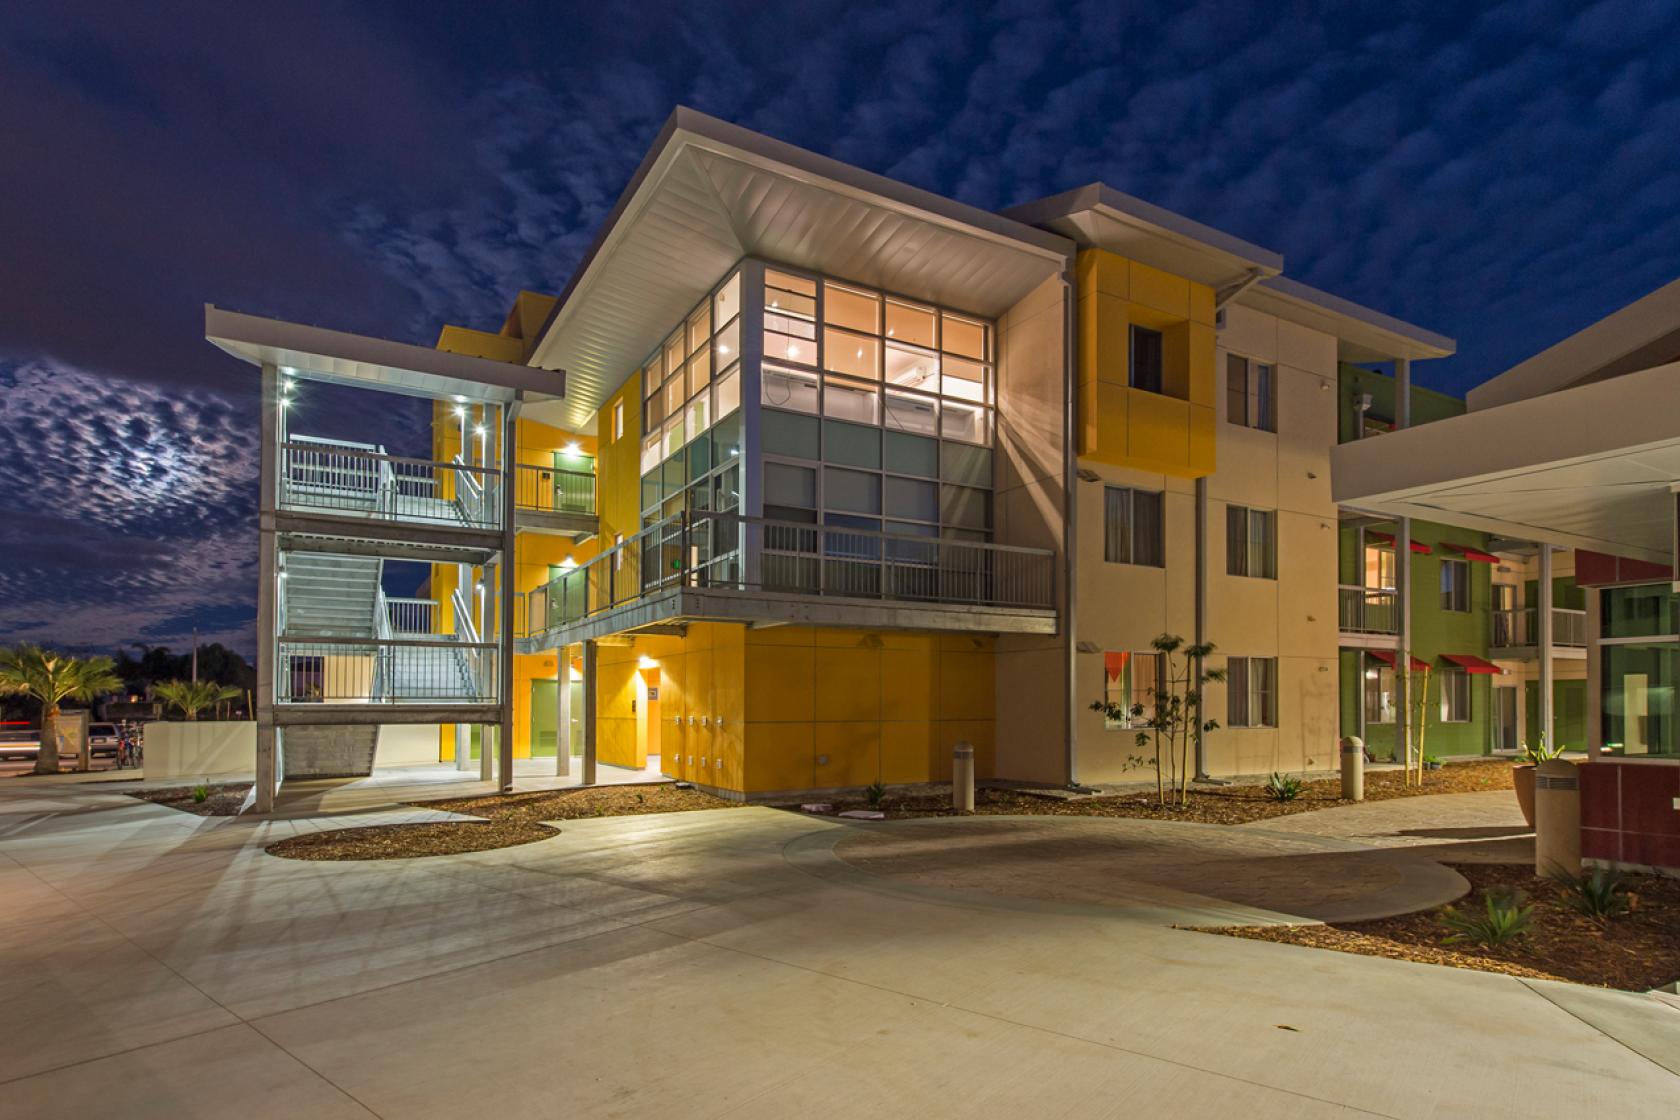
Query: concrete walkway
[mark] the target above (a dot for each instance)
(158, 964)
(1467, 827)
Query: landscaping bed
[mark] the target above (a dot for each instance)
(218, 800)
(1207, 804)
(1636, 951)
(509, 821)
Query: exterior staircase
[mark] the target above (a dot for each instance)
(331, 596)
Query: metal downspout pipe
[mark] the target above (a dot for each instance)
(1070, 537)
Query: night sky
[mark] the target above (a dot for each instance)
(1503, 177)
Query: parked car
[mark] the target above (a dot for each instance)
(102, 739)
(18, 743)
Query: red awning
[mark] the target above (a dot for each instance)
(1470, 663)
(1388, 539)
(1386, 656)
(1469, 553)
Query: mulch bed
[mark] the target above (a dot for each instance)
(1207, 805)
(1635, 952)
(410, 841)
(510, 820)
(223, 800)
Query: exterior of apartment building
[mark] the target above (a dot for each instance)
(1474, 659)
(808, 476)
(1570, 461)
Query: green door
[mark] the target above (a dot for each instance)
(544, 717)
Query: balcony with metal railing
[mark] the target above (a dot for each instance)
(555, 500)
(341, 479)
(724, 566)
(1515, 634)
(1364, 613)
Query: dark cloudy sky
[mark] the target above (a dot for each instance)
(1504, 174)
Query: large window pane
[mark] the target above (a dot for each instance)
(789, 485)
(699, 327)
(1639, 694)
(786, 433)
(908, 454)
(852, 444)
(1148, 352)
(971, 466)
(908, 322)
(907, 497)
(787, 282)
(852, 354)
(727, 392)
(965, 507)
(914, 369)
(964, 336)
(789, 348)
(848, 307)
(909, 412)
(699, 372)
(964, 379)
(727, 304)
(964, 422)
(851, 401)
(1236, 389)
(786, 388)
(1117, 525)
(1148, 528)
(728, 347)
(851, 491)
(675, 352)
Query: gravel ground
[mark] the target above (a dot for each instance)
(510, 820)
(224, 800)
(1207, 805)
(1635, 952)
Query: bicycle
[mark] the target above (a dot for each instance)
(130, 751)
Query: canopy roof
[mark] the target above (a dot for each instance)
(375, 363)
(710, 193)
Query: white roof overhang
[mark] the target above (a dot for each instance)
(1641, 335)
(320, 354)
(710, 193)
(1591, 467)
(1101, 217)
(1363, 335)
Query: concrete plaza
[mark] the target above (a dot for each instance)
(739, 963)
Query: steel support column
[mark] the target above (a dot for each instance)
(504, 613)
(563, 710)
(590, 658)
(1543, 638)
(268, 771)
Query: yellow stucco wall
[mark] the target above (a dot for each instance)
(618, 464)
(1171, 432)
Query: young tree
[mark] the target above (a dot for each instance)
(1171, 713)
(51, 678)
(192, 697)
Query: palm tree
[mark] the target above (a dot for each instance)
(29, 670)
(192, 697)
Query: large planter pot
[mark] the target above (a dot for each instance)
(1522, 777)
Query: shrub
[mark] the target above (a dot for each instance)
(1283, 787)
(1506, 914)
(1540, 752)
(1601, 894)
(875, 794)
(200, 794)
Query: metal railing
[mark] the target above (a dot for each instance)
(726, 551)
(390, 671)
(410, 616)
(361, 480)
(551, 490)
(1366, 610)
(1521, 627)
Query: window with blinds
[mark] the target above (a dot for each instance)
(1134, 528)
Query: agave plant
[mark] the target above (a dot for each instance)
(1283, 787)
(1506, 914)
(192, 697)
(52, 678)
(1600, 894)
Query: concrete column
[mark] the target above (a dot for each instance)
(268, 769)
(563, 717)
(1402, 392)
(1403, 640)
(1595, 676)
(463, 747)
(1543, 638)
(590, 656)
(487, 751)
(485, 605)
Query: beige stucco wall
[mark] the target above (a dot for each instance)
(1292, 618)
(406, 744)
(1029, 511)
(201, 749)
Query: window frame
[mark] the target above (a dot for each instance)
(1133, 377)
(1257, 397)
(1239, 550)
(1243, 692)
(1461, 690)
(1461, 585)
(1134, 657)
(1129, 500)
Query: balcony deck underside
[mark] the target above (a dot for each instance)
(361, 528)
(1532, 653)
(339, 714)
(679, 605)
(556, 522)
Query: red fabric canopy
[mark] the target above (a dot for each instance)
(1470, 663)
(1388, 539)
(1469, 553)
(1387, 656)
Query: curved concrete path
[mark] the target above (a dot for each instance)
(1467, 827)
(155, 964)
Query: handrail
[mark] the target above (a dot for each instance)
(554, 489)
(1366, 610)
(357, 453)
(730, 552)
(1516, 627)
